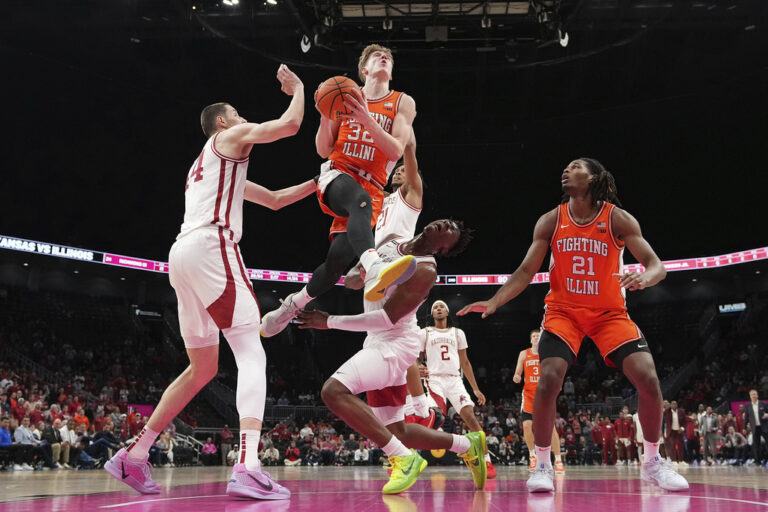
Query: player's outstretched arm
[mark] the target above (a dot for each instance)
(519, 368)
(392, 145)
(413, 187)
(626, 227)
(286, 125)
(354, 279)
(466, 367)
(521, 278)
(276, 199)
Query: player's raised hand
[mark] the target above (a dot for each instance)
(486, 307)
(632, 280)
(480, 396)
(289, 82)
(313, 319)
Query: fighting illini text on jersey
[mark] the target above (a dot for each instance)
(584, 257)
(214, 193)
(355, 150)
(530, 379)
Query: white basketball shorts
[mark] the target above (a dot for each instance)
(206, 270)
(449, 389)
(379, 369)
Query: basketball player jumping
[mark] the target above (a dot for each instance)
(392, 345)
(213, 290)
(398, 218)
(587, 234)
(528, 370)
(446, 355)
(361, 150)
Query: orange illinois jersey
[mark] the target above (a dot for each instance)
(584, 259)
(530, 379)
(355, 150)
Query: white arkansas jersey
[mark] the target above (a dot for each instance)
(214, 193)
(406, 330)
(397, 218)
(442, 348)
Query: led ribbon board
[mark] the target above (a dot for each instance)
(117, 260)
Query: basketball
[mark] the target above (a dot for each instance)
(330, 96)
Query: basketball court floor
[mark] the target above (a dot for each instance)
(439, 488)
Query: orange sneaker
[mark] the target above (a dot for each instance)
(559, 466)
(531, 463)
(491, 469)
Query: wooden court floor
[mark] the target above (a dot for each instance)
(440, 488)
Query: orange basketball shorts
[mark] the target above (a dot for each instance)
(339, 224)
(609, 329)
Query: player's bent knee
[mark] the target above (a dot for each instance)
(332, 390)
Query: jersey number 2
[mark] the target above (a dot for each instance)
(444, 354)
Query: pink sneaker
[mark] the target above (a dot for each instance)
(135, 474)
(255, 484)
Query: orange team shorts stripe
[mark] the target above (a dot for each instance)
(339, 224)
(609, 329)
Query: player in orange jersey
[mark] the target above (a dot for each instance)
(587, 234)
(528, 370)
(362, 150)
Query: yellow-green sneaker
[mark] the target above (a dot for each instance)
(405, 470)
(474, 458)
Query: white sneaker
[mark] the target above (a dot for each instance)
(275, 321)
(67, 466)
(382, 275)
(661, 473)
(541, 480)
(26, 467)
(17, 467)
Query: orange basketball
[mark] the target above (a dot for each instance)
(329, 97)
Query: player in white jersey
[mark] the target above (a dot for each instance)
(398, 217)
(391, 346)
(213, 290)
(445, 349)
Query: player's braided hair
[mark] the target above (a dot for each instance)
(465, 236)
(602, 187)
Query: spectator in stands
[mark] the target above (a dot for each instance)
(674, 421)
(305, 431)
(5, 404)
(233, 455)
(54, 413)
(270, 456)
(208, 455)
(292, 455)
(361, 455)
(226, 438)
(708, 427)
(36, 414)
(14, 450)
(735, 447)
(692, 444)
(59, 451)
(756, 418)
(492, 442)
(23, 435)
(69, 439)
(327, 450)
(510, 421)
(164, 454)
(103, 442)
(81, 418)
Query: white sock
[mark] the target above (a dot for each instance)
(487, 457)
(542, 456)
(650, 451)
(249, 449)
(409, 410)
(461, 444)
(558, 459)
(368, 258)
(395, 448)
(139, 450)
(421, 405)
(302, 298)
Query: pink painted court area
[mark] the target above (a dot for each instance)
(359, 490)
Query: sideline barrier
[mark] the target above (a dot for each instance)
(118, 260)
